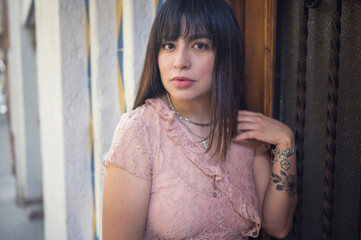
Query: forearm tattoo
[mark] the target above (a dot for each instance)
(285, 182)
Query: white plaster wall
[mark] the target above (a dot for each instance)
(137, 19)
(76, 111)
(33, 189)
(64, 118)
(105, 95)
(51, 120)
(138, 16)
(16, 95)
(25, 8)
(24, 107)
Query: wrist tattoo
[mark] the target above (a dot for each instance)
(285, 182)
(285, 164)
(283, 157)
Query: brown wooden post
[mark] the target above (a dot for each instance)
(260, 24)
(257, 19)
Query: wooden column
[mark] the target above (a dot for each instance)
(259, 31)
(257, 20)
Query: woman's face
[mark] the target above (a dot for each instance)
(186, 67)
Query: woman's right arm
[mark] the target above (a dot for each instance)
(125, 204)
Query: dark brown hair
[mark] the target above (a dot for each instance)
(215, 18)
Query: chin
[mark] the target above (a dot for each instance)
(185, 96)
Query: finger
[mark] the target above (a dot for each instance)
(247, 118)
(245, 126)
(260, 119)
(249, 113)
(244, 135)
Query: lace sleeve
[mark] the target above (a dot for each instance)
(261, 147)
(131, 149)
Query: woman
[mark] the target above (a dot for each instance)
(185, 163)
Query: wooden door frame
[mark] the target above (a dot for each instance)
(257, 20)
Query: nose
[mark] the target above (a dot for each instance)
(182, 60)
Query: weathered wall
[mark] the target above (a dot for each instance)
(348, 158)
(105, 90)
(24, 106)
(138, 19)
(348, 165)
(79, 104)
(64, 118)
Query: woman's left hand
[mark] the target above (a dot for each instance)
(263, 128)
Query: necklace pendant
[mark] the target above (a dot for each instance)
(204, 143)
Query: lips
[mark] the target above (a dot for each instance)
(182, 82)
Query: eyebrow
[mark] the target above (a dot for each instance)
(190, 38)
(197, 36)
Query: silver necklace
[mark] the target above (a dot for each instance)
(170, 104)
(203, 140)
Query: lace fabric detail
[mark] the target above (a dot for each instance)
(192, 196)
(131, 148)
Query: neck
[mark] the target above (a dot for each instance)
(197, 110)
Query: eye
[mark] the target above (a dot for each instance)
(168, 46)
(200, 46)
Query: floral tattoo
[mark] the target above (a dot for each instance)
(285, 182)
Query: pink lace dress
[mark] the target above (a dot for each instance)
(192, 197)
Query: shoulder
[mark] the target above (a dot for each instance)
(142, 116)
(143, 124)
(247, 150)
(244, 146)
(133, 147)
(261, 147)
(152, 107)
(252, 144)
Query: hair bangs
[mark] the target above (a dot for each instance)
(196, 20)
